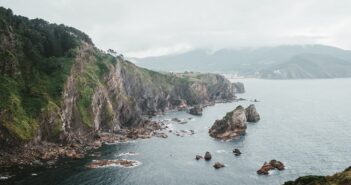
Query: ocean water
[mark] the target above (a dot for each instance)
(306, 124)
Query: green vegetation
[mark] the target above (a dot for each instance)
(35, 60)
(88, 81)
(343, 178)
(37, 57)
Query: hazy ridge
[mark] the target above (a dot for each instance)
(281, 62)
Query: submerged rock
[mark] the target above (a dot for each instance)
(160, 134)
(198, 157)
(241, 99)
(237, 152)
(197, 111)
(232, 125)
(176, 120)
(218, 165)
(182, 133)
(208, 156)
(251, 114)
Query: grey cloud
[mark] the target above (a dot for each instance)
(153, 27)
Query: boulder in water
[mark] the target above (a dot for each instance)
(176, 120)
(264, 170)
(160, 134)
(237, 152)
(273, 164)
(197, 111)
(198, 157)
(277, 164)
(218, 165)
(251, 114)
(208, 156)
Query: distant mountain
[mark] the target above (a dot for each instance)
(287, 61)
(309, 66)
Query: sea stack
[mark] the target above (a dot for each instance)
(239, 87)
(232, 125)
(196, 110)
(251, 114)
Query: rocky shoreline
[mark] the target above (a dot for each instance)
(48, 154)
(45, 153)
(99, 93)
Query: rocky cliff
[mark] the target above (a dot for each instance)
(56, 86)
(277, 62)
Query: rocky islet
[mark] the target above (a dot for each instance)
(234, 123)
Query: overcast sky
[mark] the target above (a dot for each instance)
(140, 28)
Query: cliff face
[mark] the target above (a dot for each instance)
(56, 86)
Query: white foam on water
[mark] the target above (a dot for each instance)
(272, 172)
(127, 154)
(135, 164)
(221, 151)
(121, 142)
(170, 127)
(4, 177)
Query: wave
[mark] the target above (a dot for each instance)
(123, 163)
(127, 154)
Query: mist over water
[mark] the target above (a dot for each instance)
(304, 123)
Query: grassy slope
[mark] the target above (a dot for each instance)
(36, 58)
(343, 178)
(89, 80)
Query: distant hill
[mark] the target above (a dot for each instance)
(287, 61)
(309, 66)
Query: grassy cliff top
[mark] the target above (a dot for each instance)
(35, 60)
(342, 178)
